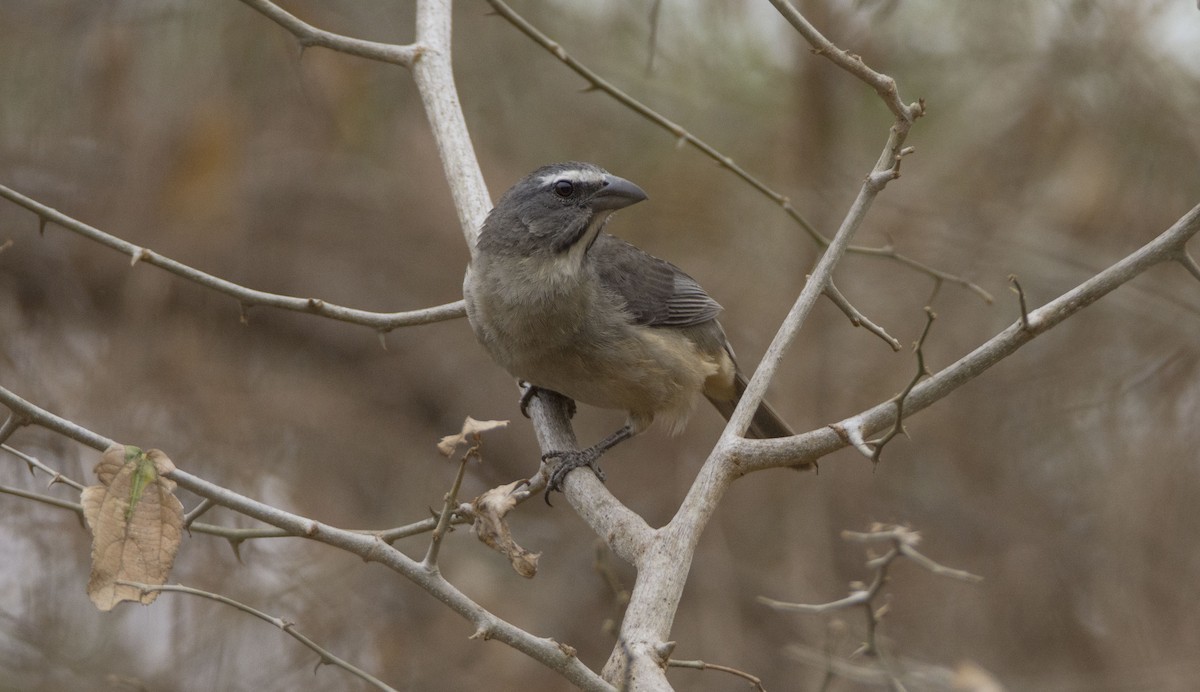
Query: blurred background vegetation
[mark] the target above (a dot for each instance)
(1060, 136)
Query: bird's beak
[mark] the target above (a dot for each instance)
(617, 193)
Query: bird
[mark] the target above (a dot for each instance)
(565, 306)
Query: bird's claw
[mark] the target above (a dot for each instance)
(568, 461)
(528, 391)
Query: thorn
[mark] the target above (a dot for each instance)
(236, 544)
(382, 339)
(663, 650)
(42, 226)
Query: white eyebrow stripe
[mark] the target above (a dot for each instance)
(583, 175)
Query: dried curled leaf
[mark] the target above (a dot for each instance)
(490, 527)
(136, 523)
(471, 429)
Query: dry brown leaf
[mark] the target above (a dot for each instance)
(136, 523)
(471, 428)
(491, 528)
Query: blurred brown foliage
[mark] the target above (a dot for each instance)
(1060, 136)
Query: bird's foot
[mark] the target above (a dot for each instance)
(528, 391)
(568, 461)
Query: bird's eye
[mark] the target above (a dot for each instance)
(564, 188)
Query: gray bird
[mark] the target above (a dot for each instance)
(566, 307)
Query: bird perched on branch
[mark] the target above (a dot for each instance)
(566, 307)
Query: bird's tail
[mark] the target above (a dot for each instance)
(765, 424)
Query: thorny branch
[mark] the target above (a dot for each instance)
(876, 446)
(369, 547)
(806, 448)
(683, 136)
(327, 657)
(857, 318)
(754, 680)
(309, 35)
(902, 542)
(247, 297)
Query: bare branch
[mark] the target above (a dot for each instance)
(44, 499)
(753, 455)
(937, 274)
(1016, 287)
(309, 35)
(35, 463)
(857, 318)
(443, 521)
(755, 681)
(663, 565)
(197, 512)
(367, 545)
(247, 297)
(327, 657)
(683, 136)
(883, 85)
(938, 569)
(903, 542)
(434, 76)
(1189, 263)
(676, 130)
(877, 446)
(11, 425)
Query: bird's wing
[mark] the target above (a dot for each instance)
(656, 292)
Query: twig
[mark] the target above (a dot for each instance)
(309, 35)
(11, 425)
(754, 680)
(367, 545)
(877, 446)
(197, 512)
(676, 130)
(857, 318)
(1189, 263)
(247, 297)
(755, 455)
(683, 136)
(34, 463)
(44, 499)
(451, 502)
(883, 85)
(1016, 288)
(232, 534)
(903, 542)
(327, 657)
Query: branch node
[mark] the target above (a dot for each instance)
(138, 255)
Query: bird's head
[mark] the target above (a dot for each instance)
(555, 209)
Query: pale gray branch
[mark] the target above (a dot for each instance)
(309, 35)
(434, 76)
(44, 499)
(857, 318)
(369, 546)
(883, 85)
(683, 136)
(248, 297)
(11, 424)
(1189, 263)
(753, 455)
(327, 657)
(35, 463)
(664, 564)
